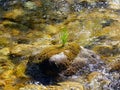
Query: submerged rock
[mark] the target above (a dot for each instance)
(4, 42)
(14, 14)
(4, 51)
(61, 86)
(114, 4)
(53, 60)
(56, 63)
(115, 63)
(108, 50)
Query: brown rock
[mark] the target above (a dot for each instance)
(55, 59)
(93, 75)
(13, 14)
(115, 65)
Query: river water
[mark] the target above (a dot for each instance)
(28, 26)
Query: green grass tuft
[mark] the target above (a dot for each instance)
(64, 36)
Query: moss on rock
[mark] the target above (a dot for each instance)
(71, 50)
(55, 59)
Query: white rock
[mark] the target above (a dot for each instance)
(61, 57)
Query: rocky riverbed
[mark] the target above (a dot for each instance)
(32, 56)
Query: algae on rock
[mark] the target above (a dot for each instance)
(55, 59)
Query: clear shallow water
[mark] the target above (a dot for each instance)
(90, 24)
